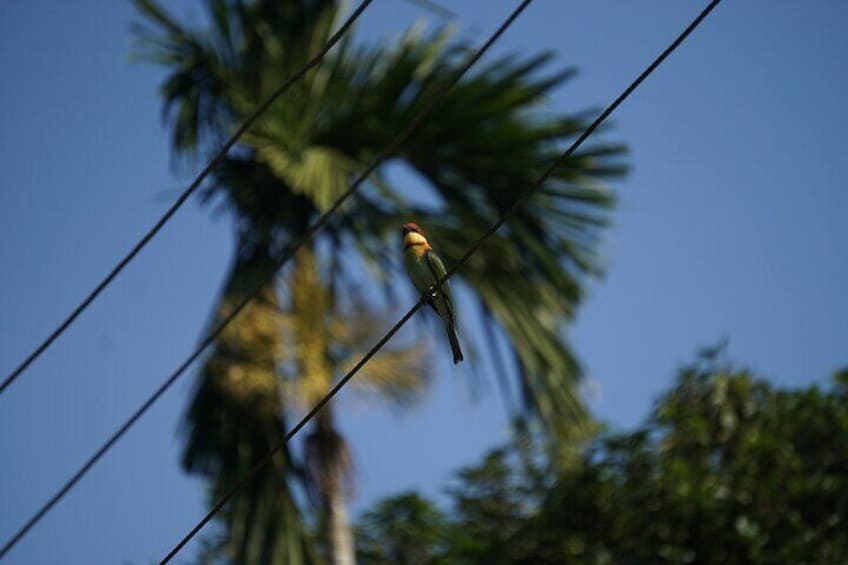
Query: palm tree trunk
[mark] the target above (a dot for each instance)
(327, 452)
(331, 464)
(340, 535)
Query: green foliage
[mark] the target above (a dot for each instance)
(403, 529)
(727, 470)
(235, 418)
(489, 503)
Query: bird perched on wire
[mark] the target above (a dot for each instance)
(425, 269)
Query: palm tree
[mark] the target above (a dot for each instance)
(488, 138)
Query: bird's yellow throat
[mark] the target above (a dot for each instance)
(415, 243)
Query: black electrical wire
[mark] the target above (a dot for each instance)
(470, 251)
(107, 280)
(395, 144)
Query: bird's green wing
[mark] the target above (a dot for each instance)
(437, 268)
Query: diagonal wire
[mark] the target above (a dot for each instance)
(404, 135)
(107, 280)
(290, 434)
(532, 187)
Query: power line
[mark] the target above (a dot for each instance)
(532, 187)
(60, 329)
(291, 433)
(393, 146)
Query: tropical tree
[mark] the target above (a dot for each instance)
(489, 137)
(727, 469)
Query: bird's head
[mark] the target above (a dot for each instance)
(411, 227)
(413, 235)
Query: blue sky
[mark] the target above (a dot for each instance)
(730, 224)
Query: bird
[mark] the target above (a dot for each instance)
(425, 269)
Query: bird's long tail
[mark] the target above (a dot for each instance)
(454, 342)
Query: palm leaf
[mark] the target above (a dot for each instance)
(489, 138)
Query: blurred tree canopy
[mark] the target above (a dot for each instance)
(491, 136)
(727, 469)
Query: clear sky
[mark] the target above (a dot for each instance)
(732, 223)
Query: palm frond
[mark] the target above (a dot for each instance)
(234, 420)
(491, 136)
